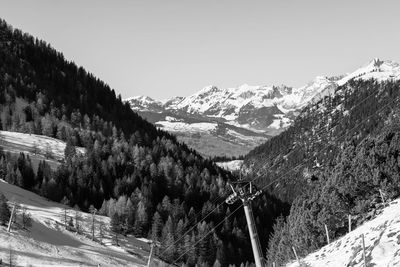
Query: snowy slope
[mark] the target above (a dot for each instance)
(375, 69)
(232, 165)
(382, 244)
(48, 243)
(34, 144)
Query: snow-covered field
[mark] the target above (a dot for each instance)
(382, 244)
(232, 165)
(34, 144)
(173, 126)
(47, 243)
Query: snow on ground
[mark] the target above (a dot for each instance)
(169, 118)
(34, 144)
(375, 69)
(232, 165)
(242, 137)
(186, 127)
(47, 243)
(382, 244)
(280, 122)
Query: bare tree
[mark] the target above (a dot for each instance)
(11, 257)
(77, 219)
(48, 152)
(26, 219)
(65, 217)
(101, 232)
(92, 210)
(35, 148)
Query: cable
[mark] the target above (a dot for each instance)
(342, 118)
(321, 130)
(378, 110)
(209, 232)
(279, 177)
(194, 226)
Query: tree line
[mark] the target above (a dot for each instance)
(147, 182)
(332, 162)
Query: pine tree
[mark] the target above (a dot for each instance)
(140, 219)
(156, 227)
(70, 150)
(217, 263)
(5, 212)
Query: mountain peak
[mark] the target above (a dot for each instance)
(141, 98)
(209, 88)
(376, 62)
(377, 69)
(385, 65)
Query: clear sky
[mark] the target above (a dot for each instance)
(168, 47)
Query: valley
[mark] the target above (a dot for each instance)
(232, 121)
(251, 175)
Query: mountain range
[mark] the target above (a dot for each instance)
(66, 136)
(232, 121)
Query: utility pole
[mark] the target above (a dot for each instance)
(11, 218)
(93, 210)
(152, 246)
(247, 195)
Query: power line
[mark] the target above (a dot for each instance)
(326, 146)
(281, 176)
(194, 221)
(336, 122)
(205, 235)
(318, 132)
(188, 231)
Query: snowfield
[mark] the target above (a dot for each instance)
(233, 165)
(176, 126)
(376, 69)
(34, 144)
(382, 244)
(47, 243)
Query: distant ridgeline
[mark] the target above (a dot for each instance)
(150, 184)
(331, 163)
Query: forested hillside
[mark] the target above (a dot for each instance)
(331, 163)
(147, 182)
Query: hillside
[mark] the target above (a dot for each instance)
(48, 243)
(147, 182)
(38, 147)
(334, 160)
(353, 111)
(381, 238)
(232, 121)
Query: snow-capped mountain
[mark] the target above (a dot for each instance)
(257, 112)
